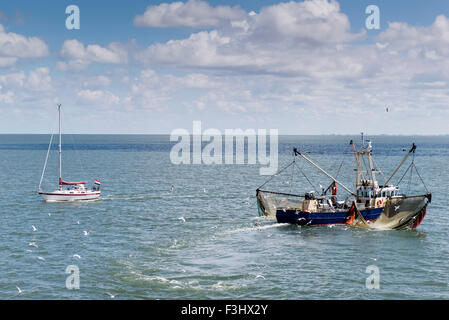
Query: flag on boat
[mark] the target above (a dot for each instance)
(96, 186)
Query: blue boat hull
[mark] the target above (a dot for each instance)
(322, 218)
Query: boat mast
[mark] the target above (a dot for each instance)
(374, 182)
(60, 150)
(359, 166)
(370, 171)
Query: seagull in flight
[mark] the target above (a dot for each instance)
(76, 256)
(34, 228)
(33, 244)
(18, 289)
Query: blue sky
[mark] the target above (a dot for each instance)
(153, 66)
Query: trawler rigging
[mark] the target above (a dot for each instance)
(372, 205)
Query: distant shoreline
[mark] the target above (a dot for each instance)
(281, 135)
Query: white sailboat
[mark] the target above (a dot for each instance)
(67, 191)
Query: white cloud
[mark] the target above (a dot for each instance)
(80, 56)
(39, 80)
(32, 88)
(285, 38)
(7, 61)
(97, 81)
(7, 97)
(193, 13)
(309, 23)
(290, 61)
(13, 79)
(98, 98)
(14, 46)
(402, 36)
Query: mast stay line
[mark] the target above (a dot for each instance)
(45, 164)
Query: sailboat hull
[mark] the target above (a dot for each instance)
(62, 196)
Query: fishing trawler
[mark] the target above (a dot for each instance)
(67, 191)
(372, 205)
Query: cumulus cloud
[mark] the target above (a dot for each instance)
(100, 98)
(282, 38)
(38, 79)
(97, 81)
(193, 13)
(16, 79)
(150, 90)
(295, 58)
(14, 46)
(78, 56)
(7, 97)
(21, 88)
(433, 40)
(304, 57)
(309, 22)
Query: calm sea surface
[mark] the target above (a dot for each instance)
(204, 239)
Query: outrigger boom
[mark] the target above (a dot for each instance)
(296, 152)
(412, 150)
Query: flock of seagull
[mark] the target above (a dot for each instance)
(75, 256)
(85, 233)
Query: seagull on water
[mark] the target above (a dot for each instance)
(85, 232)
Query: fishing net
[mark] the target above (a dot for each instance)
(398, 213)
(268, 202)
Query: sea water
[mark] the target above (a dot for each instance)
(203, 238)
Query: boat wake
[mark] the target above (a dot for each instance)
(257, 227)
